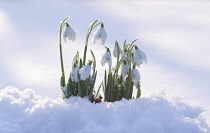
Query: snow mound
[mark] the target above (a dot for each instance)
(27, 112)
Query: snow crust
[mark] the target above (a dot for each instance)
(27, 112)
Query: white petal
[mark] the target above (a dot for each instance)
(124, 69)
(103, 35)
(142, 55)
(137, 59)
(135, 82)
(64, 35)
(135, 77)
(70, 34)
(103, 59)
(102, 62)
(100, 36)
(74, 74)
(106, 58)
(109, 62)
(64, 39)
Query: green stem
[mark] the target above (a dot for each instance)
(62, 67)
(85, 51)
(129, 83)
(130, 74)
(87, 38)
(60, 46)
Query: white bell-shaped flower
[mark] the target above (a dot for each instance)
(74, 73)
(106, 58)
(69, 33)
(100, 35)
(135, 76)
(84, 72)
(136, 60)
(124, 70)
(117, 50)
(139, 57)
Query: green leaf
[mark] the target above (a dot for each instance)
(138, 93)
(69, 87)
(129, 84)
(76, 58)
(79, 89)
(93, 25)
(92, 86)
(101, 85)
(109, 85)
(105, 87)
(131, 90)
(94, 61)
(132, 44)
(80, 63)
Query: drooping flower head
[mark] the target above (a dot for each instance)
(136, 60)
(69, 33)
(84, 72)
(75, 72)
(117, 50)
(100, 35)
(139, 57)
(135, 76)
(124, 70)
(106, 58)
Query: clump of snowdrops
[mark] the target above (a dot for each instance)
(119, 80)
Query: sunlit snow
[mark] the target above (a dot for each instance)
(26, 112)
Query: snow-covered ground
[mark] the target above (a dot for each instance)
(173, 34)
(27, 112)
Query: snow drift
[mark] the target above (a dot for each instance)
(27, 112)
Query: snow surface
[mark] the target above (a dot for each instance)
(26, 112)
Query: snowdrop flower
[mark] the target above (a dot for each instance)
(135, 76)
(116, 50)
(100, 35)
(74, 73)
(84, 72)
(139, 57)
(136, 60)
(106, 58)
(69, 33)
(124, 69)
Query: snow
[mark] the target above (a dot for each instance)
(84, 72)
(27, 112)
